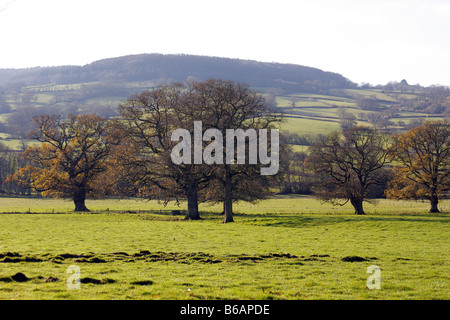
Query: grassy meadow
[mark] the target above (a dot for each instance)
(286, 247)
(281, 248)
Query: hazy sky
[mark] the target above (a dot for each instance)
(372, 41)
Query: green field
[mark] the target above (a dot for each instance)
(305, 113)
(308, 126)
(281, 248)
(308, 113)
(286, 247)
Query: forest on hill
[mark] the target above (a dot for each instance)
(169, 68)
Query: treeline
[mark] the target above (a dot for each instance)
(431, 100)
(300, 139)
(10, 163)
(89, 156)
(82, 156)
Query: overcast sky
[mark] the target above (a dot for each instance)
(373, 41)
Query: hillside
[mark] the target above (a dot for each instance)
(166, 68)
(312, 101)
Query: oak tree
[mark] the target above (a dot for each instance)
(227, 106)
(349, 165)
(149, 118)
(152, 117)
(422, 163)
(71, 156)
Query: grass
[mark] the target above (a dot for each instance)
(373, 93)
(281, 248)
(309, 126)
(290, 247)
(318, 114)
(299, 148)
(285, 204)
(13, 144)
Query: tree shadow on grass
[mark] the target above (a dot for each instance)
(298, 221)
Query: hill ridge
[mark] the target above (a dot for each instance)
(179, 67)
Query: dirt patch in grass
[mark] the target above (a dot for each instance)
(21, 277)
(182, 257)
(97, 281)
(148, 256)
(51, 279)
(357, 259)
(120, 254)
(18, 277)
(9, 254)
(143, 283)
(91, 260)
(12, 257)
(71, 256)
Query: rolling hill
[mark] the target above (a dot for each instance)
(167, 68)
(313, 101)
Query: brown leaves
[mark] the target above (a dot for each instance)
(72, 154)
(422, 156)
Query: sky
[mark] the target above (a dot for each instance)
(367, 41)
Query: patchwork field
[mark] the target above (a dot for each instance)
(304, 113)
(281, 248)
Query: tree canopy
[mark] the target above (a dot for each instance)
(71, 156)
(349, 165)
(151, 117)
(422, 163)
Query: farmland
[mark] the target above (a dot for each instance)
(322, 110)
(128, 249)
(304, 113)
(286, 247)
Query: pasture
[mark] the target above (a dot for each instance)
(286, 247)
(281, 248)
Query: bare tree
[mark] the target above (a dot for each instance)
(149, 119)
(234, 106)
(349, 165)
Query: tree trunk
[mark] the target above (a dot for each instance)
(192, 197)
(79, 199)
(358, 205)
(228, 202)
(434, 204)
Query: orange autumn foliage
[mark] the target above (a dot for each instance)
(422, 163)
(71, 158)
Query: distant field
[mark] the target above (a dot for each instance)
(309, 126)
(282, 248)
(283, 204)
(319, 112)
(13, 144)
(299, 148)
(306, 113)
(375, 93)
